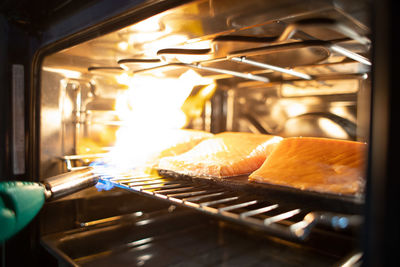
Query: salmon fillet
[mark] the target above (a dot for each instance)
(226, 154)
(179, 142)
(316, 164)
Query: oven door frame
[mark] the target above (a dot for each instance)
(381, 234)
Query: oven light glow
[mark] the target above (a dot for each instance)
(332, 128)
(123, 79)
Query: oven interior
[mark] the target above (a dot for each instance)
(287, 68)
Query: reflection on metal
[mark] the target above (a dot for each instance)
(70, 182)
(77, 162)
(111, 219)
(271, 67)
(230, 72)
(354, 260)
(334, 25)
(207, 116)
(349, 54)
(125, 64)
(281, 217)
(346, 125)
(230, 110)
(105, 69)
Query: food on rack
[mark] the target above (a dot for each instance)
(180, 141)
(316, 164)
(224, 155)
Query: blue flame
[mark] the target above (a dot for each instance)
(101, 169)
(98, 163)
(104, 185)
(106, 171)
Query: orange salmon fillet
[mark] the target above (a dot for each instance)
(316, 164)
(180, 142)
(224, 155)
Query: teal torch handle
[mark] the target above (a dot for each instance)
(21, 201)
(19, 204)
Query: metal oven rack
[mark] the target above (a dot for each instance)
(278, 219)
(166, 57)
(216, 200)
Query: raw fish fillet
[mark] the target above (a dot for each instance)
(316, 164)
(226, 154)
(179, 142)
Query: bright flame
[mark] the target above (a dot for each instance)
(123, 79)
(151, 113)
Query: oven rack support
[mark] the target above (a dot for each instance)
(77, 162)
(292, 224)
(281, 42)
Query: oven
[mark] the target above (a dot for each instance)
(92, 90)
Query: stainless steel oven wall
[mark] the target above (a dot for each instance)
(325, 90)
(305, 111)
(77, 116)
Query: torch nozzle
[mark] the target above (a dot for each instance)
(70, 182)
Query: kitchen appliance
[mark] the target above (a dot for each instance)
(291, 68)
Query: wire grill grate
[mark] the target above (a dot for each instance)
(239, 207)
